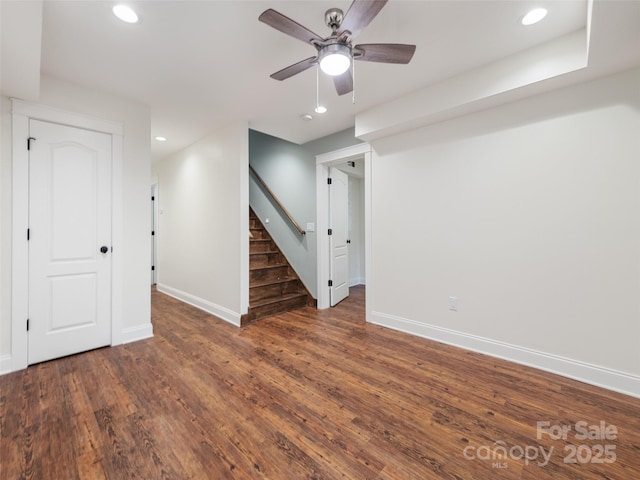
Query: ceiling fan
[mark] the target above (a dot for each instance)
(336, 52)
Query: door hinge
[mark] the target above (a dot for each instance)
(27, 324)
(29, 142)
(153, 267)
(153, 232)
(28, 234)
(330, 232)
(329, 181)
(153, 198)
(331, 283)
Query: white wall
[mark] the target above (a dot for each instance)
(203, 223)
(136, 316)
(529, 214)
(5, 233)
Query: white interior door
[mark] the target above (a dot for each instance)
(339, 225)
(154, 231)
(70, 240)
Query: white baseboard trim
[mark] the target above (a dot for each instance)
(222, 313)
(133, 334)
(592, 374)
(5, 364)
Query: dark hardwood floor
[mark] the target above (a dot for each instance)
(307, 394)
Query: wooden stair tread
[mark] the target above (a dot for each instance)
(263, 253)
(266, 267)
(264, 283)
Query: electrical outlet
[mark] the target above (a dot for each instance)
(453, 304)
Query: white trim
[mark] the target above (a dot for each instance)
(343, 155)
(592, 374)
(22, 112)
(323, 162)
(244, 229)
(117, 263)
(222, 313)
(5, 364)
(63, 117)
(139, 332)
(19, 246)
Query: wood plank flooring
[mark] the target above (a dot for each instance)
(304, 395)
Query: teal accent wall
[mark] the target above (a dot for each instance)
(289, 170)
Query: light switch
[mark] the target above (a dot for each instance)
(453, 304)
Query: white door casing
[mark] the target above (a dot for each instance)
(323, 163)
(69, 223)
(22, 114)
(339, 225)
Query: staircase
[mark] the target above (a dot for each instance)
(274, 287)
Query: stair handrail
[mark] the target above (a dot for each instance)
(275, 199)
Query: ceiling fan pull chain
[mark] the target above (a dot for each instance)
(353, 75)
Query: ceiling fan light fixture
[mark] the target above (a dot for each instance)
(335, 59)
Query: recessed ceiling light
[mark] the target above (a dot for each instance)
(534, 16)
(161, 139)
(320, 109)
(125, 13)
(306, 117)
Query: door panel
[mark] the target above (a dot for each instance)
(69, 220)
(339, 224)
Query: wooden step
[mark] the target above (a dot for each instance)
(261, 245)
(265, 259)
(273, 306)
(259, 234)
(270, 289)
(270, 272)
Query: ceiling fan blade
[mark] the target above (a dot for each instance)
(287, 26)
(344, 83)
(359, 15)
(385, 52)
(294, 69)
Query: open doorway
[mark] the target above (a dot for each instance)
(340, 159)
(346, 222)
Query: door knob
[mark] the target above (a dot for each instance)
(104, 249)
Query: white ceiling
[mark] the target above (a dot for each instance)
(200, 64)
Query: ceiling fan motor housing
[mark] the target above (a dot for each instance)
(333, 18)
